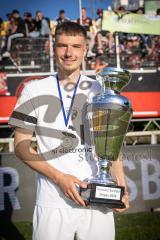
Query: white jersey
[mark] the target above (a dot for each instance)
(58, 116)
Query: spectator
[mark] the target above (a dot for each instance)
(101, 38)
(42, 24)
(135, 61)
(61, 18)
(98, 21)
(9, 29)
(140, 11)
(87, 23)
(30, 26)
(17, 31)
(3, 84)
(154, 53)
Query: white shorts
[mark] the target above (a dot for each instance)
(63, 224)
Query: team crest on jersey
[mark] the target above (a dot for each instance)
(74, 114)
(67, 142)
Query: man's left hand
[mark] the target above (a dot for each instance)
(125, 200)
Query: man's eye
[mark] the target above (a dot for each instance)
(77, 46)
(61, 45)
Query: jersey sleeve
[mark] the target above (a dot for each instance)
(24, 114)
(95, 90)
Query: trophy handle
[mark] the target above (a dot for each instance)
(113, 78)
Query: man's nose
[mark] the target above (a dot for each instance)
(68, 51)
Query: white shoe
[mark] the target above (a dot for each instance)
(6, 54)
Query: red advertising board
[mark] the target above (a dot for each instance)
(143, 92)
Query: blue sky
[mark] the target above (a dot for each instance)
(50, 8)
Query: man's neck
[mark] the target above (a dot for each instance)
(65, 78)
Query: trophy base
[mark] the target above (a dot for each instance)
(102, 194)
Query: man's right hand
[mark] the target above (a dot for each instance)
(68, 183)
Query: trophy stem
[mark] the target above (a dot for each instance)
(103, 176)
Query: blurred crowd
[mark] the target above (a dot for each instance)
(137, 50)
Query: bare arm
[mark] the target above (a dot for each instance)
(117, 172)
(27, 154)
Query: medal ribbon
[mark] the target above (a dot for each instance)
(66, 118)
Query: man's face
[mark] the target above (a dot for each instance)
(69, 52)
(16, 15)
(83, 13)
(62, 15)
(39, 15)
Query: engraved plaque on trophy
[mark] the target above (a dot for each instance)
(110, 114)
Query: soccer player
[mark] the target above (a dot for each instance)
(54, 108)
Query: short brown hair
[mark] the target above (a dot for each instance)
(70, 29)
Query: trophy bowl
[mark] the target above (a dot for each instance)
(110, 115)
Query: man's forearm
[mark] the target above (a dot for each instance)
(29, 156)
(66, 182)
(117, 172)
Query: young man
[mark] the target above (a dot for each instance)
(61, 17)
(87, 23)
(18, 31)
(54, 108)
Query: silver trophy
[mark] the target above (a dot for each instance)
(110, 114)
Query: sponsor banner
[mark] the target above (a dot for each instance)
(17, 189)
(145, 104)
(7, 104)
(151, 7)
(142, 170)
(130, 23)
